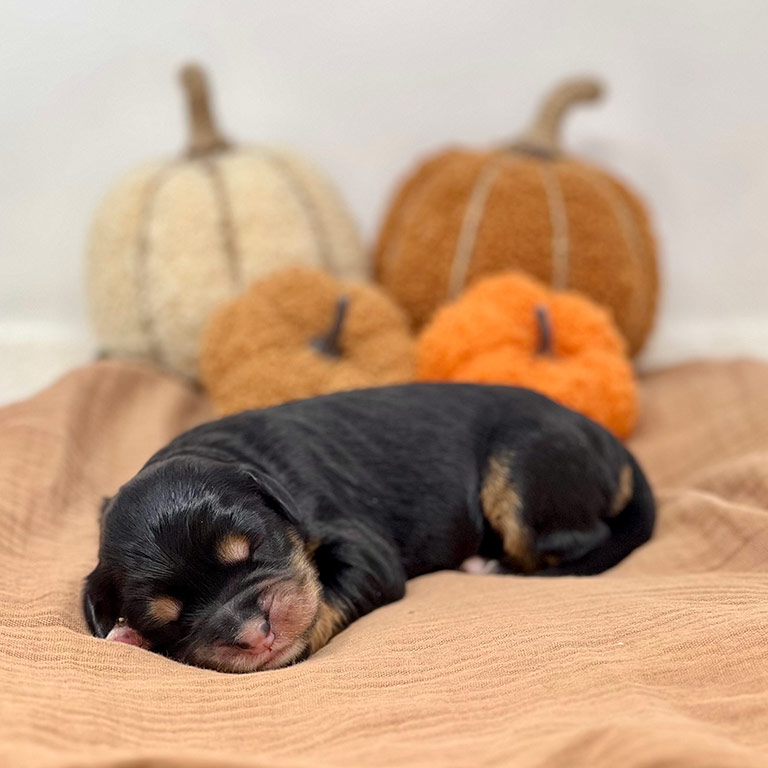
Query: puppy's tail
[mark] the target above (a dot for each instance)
(632, 527)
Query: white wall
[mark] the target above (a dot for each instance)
(87, 88)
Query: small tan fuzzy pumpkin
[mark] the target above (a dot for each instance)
(467, 214)
(173, 239)
(300, 333)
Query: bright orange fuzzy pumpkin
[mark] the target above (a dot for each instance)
(511, 329)
(466, 214)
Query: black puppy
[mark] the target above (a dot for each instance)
(247, 543)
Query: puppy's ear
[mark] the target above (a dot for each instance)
(277, 497)
(101, 602)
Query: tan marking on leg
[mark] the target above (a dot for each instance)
(329, 621)
(626, 489)
(501, 507)
(164, 609)
(232, 549)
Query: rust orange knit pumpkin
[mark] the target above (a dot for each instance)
(465, 214)
(300, 333)
(512, 329)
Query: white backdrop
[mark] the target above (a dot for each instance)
(88, 88)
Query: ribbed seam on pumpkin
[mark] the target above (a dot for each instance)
(225, 225)
(146, 316)
(632, 238)
(319, 235)
(558, 218)
(470, 225)
(407, 210)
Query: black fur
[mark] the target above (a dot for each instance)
(382, 485)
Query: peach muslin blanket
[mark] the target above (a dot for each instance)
(661, 662)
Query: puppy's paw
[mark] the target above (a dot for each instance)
(479, 564)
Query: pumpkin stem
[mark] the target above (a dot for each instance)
(544, 322)
(204, 135)
(329, 342)
(542, 137)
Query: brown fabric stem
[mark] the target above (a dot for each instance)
(543, 136)
(329, 343)
(544, 323)
(204, 135)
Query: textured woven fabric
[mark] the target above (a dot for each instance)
(661, 662)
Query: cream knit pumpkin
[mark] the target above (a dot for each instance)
(173, 240)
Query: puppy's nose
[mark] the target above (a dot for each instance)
(255, 636)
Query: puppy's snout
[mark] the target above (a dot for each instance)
(255, 636)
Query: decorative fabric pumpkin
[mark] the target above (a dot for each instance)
(300, 333)
(465, 214)
(512, 329)
(175, 238)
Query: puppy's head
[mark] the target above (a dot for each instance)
(204, 563)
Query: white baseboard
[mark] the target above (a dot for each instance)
(676, 341)
(32, 355)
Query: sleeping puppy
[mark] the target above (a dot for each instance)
(248, 542)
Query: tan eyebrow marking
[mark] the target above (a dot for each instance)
(164, 608)
(232, 549)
